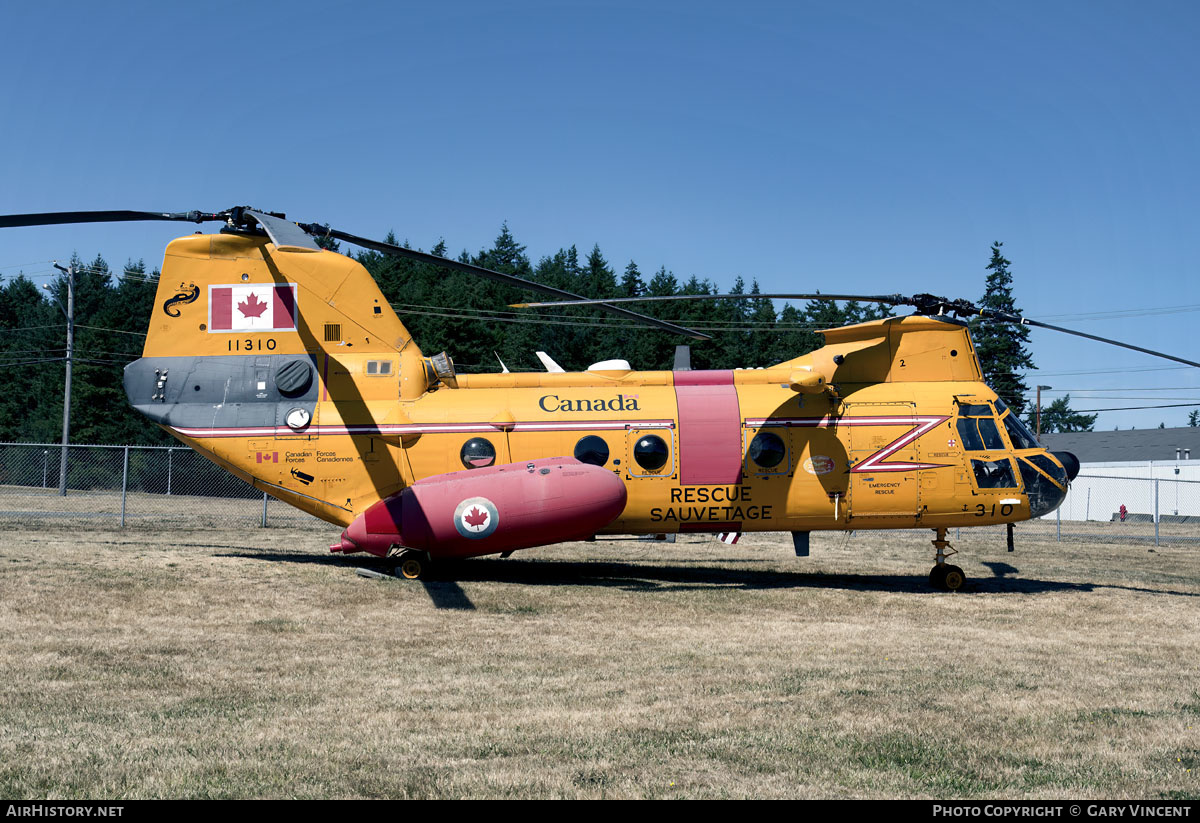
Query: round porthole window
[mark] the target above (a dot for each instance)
(651, 452)
(477, 453)
(592, 449)
(767, 450)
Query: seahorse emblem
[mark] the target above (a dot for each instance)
(182, 296)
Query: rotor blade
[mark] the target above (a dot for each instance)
(509, 279)
(891, 299)
(1025, 321)
(56, 218)
(925, 304)
(286, 235)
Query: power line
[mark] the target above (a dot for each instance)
(1108, 371)
(117, 331)
(32, 328)
(30, 263)
(33, 362)
(598, 323)
(497, 313)
(1085, 397)
(1135, 408)
(101, 362)
(1121, 313)
(1125, 388)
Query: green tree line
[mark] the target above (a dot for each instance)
(446, 311)
(112, 311)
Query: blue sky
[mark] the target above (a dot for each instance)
(870, 147)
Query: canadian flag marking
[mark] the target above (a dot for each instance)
(251, 307)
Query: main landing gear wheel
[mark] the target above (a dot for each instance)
(943, 576)
(413, 565)
(947, 578)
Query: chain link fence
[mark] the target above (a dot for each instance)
(153, 486)
(131, 487)
(1160, 506)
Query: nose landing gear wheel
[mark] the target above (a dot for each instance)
(943, 576)
(947, 578)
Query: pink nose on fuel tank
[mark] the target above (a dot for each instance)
(496, 509)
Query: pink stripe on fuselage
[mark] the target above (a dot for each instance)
(710, 428)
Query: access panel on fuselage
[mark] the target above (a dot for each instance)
(820, 477)
(884, 459)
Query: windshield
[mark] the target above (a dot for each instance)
(1018, 432)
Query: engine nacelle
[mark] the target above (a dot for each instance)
(496, 509)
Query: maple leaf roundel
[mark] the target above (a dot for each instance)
(476, 517)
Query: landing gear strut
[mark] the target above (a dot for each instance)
(944, 576)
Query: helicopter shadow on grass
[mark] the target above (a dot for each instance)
(651, 577)
(445, 590)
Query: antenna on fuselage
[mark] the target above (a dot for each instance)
(548, 362)
(683, 358)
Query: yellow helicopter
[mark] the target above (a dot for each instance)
(283, 363)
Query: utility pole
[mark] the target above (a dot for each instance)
(1039, 411)
(69, 311)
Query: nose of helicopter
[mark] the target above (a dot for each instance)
(1069, 462)
(1045, 496)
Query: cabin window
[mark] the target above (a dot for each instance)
(651, 453)
(592, 449)
(379, 368)
(994, 474)
(767, 450)
(477, 453)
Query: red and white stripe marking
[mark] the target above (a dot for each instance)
(920, 425)
(418, 428)
(874, 463)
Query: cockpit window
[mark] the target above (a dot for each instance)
(979, 434)
(977, 426)
(994, 474)
(990, 434)
(1049, 467)
(969, 433)
(975, 410)
(1019, 433)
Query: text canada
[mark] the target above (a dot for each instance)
(622, 402)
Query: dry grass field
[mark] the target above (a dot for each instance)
(251, 663)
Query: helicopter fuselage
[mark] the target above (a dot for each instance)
(291, 371)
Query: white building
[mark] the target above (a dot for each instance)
(1148, 471)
